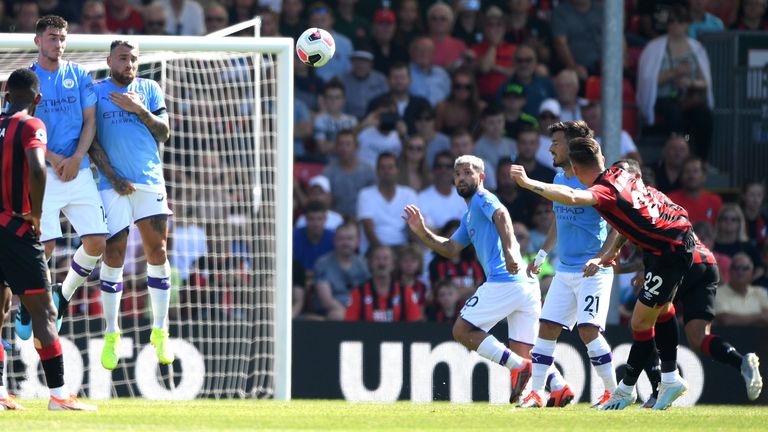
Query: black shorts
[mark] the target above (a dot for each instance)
(663, 276)
(697, 292)
(22, 263)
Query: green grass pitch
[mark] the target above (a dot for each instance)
(212, 415)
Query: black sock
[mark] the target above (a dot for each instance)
(54, 371)
(642, 348)
(721, 351)
(666, 341)
(653, 371)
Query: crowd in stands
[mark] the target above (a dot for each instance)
(416, 83)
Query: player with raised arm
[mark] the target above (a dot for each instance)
(506, 293)
(67, 109)
(132, 121)
(573, 299)
(660, 229)
(22, 261)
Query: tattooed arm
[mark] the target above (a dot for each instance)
(100, 158)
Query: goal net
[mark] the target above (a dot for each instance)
(228, 171)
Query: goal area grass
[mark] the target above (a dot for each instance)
(264, 415)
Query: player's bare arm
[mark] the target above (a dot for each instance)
(130, 102)
(607, 254)
(36, 175)
(100, 158)
(559, 193)
(504, 226)
(444, 246)
(69, 167)
(549, 243)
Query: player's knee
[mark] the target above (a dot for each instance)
(549, 331)
(95, 245)
(459, 331)
(157, 255)
(588, 333)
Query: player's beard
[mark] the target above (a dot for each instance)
(559, 164)
(123, 79)
(466, 191)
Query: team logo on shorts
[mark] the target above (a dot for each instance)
(68, 83)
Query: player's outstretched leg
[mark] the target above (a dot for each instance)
(111, 292)
(721, 351)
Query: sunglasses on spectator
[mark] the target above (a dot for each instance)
(741, 268)
(462, 86)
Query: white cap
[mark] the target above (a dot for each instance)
(551, 105)
(322, 182)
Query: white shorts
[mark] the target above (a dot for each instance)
(573, 298)
(78, 199)
(518, 302)
(122, 210)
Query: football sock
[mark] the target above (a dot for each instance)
(53, 366)
(653, 371)
(720, 350)
(555, 379)
(82, 266)
(159, 283)
(666, 340)
(496, 352)
(642, 346)
(542, 358)
(3, 391)
(600, 356)
(111, 292)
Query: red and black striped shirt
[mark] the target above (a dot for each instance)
(400, 304)
(701, 253)
(18, 133)
(656, 224)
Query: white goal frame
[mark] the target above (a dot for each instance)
(283, 49)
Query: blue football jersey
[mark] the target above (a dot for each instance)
(66, 92)
(131, 148)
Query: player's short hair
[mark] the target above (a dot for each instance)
(629, 165)
(119, 42)
(23, 86)
(584, 151)
(475, 162)
(50, 21)
(572, 129)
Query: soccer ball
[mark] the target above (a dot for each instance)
(315, 47)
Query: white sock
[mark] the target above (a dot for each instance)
(556, 380)
(599, 353)
(159, 284)
(496, 352)
(542, 357)
(82, 266)
(669, 377)
(625, 388)
(60, 392)
(111, 293)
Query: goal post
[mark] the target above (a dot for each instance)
(259, 159)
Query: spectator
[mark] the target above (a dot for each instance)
(567, 91)
(753, 205)
(440, 202)
(314, 240)
(6, 22)
(379, 207)
(337, 273)
(64, 9)
(216, 17)
(462, 108)
(447, 302)
(347, 174)
(387, 51)
(577, 31)
(668, 168)
(320, 190)
(243, 10)
(653, 16)
(292, 24)
(190, 242)
(752, 16)
(381, 133)
(527, 147)
(726, 10)
(739, 303)
(537, 88)
(494, 56)
(462, 143)
(331, 118)
(362, 83)
(184, 17)
(731, 236)
(706, 233)
(123, 17)
(592, 114)
(508, 192)
(320, 15)
(448, 51)
(549, 114)
(381, 298)
(93, 18)
(408, 104)
(410, 24)
(463, 270)
(762, 281)
(547, 272)
(350, 24)
(674, 83)
(270, 24)
(299, 282)
(155, 20)
(467, 25)
(525, 28)
(701, 205)
(410, 266)
(541, 220)
(427, 80)
(701, 20)
(302, 127)
(307, 84)
(27, 14)
(412, 164)
(513, 101)
(492, 145)
(436, 141)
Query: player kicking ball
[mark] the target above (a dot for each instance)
(131, 122)
(581, 289)
(661, 229)
(506, 293)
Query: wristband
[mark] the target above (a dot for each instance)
(540, 257)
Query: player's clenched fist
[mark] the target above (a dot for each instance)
(518, 173)
(413, 218)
